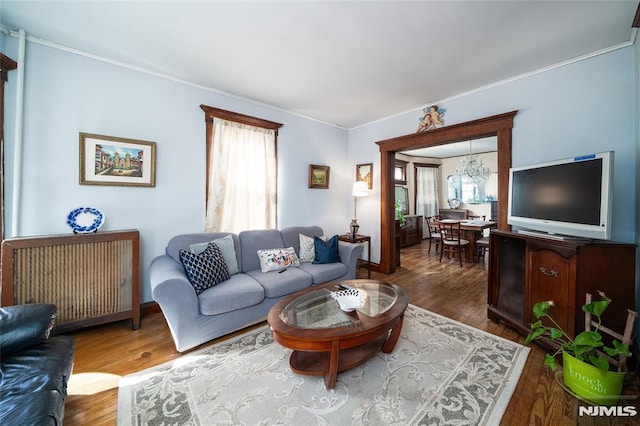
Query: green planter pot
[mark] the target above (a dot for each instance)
(591, 383)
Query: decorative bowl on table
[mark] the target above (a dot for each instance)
(350, 298)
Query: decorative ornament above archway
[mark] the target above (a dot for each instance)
(433, 118)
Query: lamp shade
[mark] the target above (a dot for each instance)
(360, 189)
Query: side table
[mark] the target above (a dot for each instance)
(359, 239)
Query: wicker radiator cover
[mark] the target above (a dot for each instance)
(91, 278)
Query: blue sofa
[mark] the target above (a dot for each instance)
(34, 368)
(246, 297)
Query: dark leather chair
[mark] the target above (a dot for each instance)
(34, 368)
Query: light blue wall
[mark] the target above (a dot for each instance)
(67, 93)
(588, 106)
(584, 107)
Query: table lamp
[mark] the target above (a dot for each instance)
(360, 189)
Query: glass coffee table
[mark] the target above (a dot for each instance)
(327, 340)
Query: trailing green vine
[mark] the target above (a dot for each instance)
(585, 345)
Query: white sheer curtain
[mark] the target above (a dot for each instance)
(242, 178)
(427, 195)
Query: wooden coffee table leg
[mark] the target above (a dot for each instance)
(393, 336)
(331, 376)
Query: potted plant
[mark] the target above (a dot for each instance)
(585, 367)
(400, 214)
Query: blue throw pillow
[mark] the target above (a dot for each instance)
(206, 269)
(326, 251)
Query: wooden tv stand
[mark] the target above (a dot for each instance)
(526, 269)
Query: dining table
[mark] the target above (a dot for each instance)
(472, 230)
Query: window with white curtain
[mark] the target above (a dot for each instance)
(241, 172)
(427, 196)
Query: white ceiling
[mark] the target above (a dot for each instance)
(346, 63)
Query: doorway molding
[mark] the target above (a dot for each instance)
(500, 125)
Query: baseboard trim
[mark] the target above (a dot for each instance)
(149, 308)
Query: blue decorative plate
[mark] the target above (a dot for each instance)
(85, 219)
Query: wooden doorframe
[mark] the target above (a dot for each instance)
(497, 125)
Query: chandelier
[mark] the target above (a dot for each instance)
(472, 167)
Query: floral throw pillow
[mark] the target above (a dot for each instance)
(206, 269)
(277, 259)
(307, 248)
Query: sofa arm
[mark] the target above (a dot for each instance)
(349, 254)
(174, 293)
(22, 326)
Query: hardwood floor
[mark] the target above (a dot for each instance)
(105, 353)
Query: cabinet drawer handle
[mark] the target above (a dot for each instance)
(551, 273)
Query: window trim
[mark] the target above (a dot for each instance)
(401, 165)
(415, 180)
(210, 113)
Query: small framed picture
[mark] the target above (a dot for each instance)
(318, 176)
(364, 172)
(109, 160)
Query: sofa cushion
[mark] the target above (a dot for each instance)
(23, 326)
(184, 241)
(326, 251)
(324, 272)
(41, 408)
(239, 291)
(252, 241)
(226, 246)
(278, 259)
(290, 236)
(34, 383)
(278, 284)
(206, 269)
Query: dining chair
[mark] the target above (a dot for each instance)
(451, 241)
(482, 246)
(477, 217)
(434, 231)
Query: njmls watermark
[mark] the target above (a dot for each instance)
(612, 411)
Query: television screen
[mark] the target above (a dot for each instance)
(569, 197)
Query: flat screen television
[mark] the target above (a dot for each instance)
(569, 197)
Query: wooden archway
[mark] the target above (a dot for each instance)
(498, 125)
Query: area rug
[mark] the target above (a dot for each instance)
(440, 372)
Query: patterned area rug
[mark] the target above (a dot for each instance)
(440, 372)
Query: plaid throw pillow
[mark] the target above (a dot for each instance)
(206, 269)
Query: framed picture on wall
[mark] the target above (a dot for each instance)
(318, 176)
(110, 160)
(364, 172)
